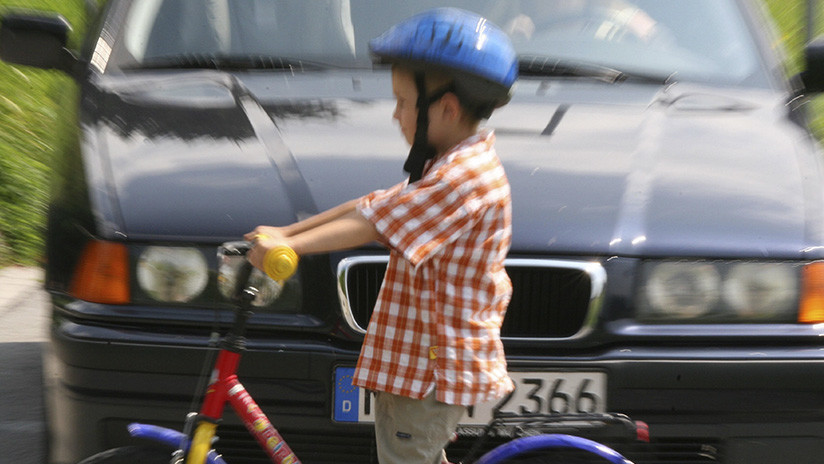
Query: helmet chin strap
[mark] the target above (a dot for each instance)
(421, 150)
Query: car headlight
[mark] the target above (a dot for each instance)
(682, 290)
(172, 274)
(718, 291)
(761, 291)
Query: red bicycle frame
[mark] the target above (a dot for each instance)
(225, 387)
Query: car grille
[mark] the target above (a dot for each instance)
(237, 447)
(550, 298)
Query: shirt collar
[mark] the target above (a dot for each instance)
(485, 136)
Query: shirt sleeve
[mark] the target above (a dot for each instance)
(419, 219)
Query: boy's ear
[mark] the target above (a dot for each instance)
(452, 106)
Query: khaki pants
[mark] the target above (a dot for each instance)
(411, 431)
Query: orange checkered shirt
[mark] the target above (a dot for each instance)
(437, 320)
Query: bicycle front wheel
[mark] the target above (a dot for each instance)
(131, 455)
(552, 448)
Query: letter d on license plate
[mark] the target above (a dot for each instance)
(352, 404)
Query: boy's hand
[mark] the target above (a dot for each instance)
(265, 231)
(263, 239)
(275, 257)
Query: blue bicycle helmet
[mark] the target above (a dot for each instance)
(463, 44)
(474, 52)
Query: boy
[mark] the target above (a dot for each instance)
(433, 343)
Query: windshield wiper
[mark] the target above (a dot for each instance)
(554, 67)
(226, 62)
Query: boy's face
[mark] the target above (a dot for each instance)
(406, 100)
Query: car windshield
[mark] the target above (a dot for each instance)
(692, 40)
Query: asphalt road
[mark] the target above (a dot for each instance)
(23, 323)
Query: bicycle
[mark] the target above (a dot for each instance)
(193, 445)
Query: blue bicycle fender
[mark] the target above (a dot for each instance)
(168, 437)
(547, 442)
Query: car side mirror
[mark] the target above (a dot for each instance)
(36, 40)
(813, 74)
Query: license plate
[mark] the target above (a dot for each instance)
(545, 392)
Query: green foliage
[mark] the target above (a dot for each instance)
(26, 151)
(28, 115)
(29, 112)
(791, 18)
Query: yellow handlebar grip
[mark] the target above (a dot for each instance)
(280, 262)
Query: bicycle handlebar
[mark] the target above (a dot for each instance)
(280, 262)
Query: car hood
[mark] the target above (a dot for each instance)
(595, 169)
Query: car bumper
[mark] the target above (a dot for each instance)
(720, 405)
